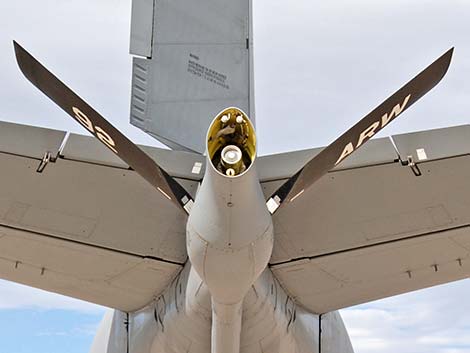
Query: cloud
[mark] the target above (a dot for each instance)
(321, 66)
(85, 43)
(82, 330)
(15, 296)
(433, 320)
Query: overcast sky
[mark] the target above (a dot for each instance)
(319, 67)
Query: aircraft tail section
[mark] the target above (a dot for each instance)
(194, 60)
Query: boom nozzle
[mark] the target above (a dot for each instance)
(231, 142)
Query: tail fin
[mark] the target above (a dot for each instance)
(197, 62)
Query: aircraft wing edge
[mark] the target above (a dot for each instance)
(339, 280)
(114, 279)
(378, 230)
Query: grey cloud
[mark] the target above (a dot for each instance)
(428, 321)
(85, 43)
(16, 296)
(321, 67)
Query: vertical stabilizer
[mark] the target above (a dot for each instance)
(195, 59)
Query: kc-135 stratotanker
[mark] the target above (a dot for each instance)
(207, 247)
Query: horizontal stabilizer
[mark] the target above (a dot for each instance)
(373, 228)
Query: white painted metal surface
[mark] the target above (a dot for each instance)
(394, 204)
(180, 320)
(142, 27)
(358, 276)
(82, 271)
(229, 230)
(229, 225)
(107, 207)
(111, 336)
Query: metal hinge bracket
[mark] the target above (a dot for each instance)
(45, 161)
(411, 163)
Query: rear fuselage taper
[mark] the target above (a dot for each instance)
(229, 231)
